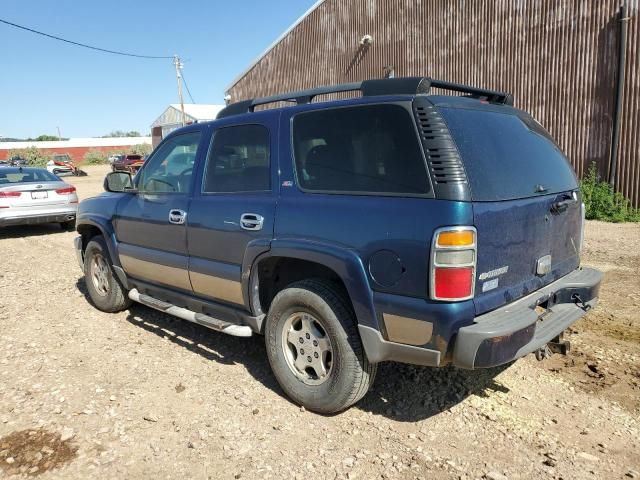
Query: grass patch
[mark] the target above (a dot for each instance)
(603, 203)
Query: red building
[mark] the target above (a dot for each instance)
(77, 147)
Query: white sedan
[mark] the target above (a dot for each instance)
(58, 168)
(34, 195)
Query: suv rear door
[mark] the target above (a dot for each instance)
(526, 204)
(234, 207)
(151, 225)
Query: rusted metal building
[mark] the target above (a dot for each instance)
(560, 59)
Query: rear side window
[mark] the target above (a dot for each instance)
(364, 149)
(505, 159)
(239, 160)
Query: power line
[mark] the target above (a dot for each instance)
(184, 80)
(115, 52)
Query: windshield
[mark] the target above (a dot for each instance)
(505, 159)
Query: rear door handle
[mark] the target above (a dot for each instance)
(177, 217)
(251, 221)
(561, 206)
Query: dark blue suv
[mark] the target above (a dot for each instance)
(395, 225)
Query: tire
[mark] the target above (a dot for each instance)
(349, 375)
(68, 226)
(105, 291)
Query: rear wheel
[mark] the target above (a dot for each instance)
(105, 291)
(314, 347)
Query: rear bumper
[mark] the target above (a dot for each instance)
(500, 336)
(517, 329)
(38, 218)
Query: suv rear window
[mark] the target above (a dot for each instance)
(504, 158)
(364, 149)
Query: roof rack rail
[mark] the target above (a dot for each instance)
(384, 86)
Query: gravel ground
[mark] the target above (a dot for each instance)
(84, 394)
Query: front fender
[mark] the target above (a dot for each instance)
(97, 212)
(343, 261)
(106, 229)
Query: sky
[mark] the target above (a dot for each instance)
(45, 84)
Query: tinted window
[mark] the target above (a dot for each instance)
(372, 148)
(170, 169)
(26, 175)
(238, 160)
(503, 158)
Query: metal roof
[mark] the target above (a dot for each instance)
(195, 112)
(270, 47)
(200, 111)
(79, 142)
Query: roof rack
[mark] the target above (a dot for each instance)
(385, 86)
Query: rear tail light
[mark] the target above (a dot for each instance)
(66, 190)
(453, 263)
(9, 195)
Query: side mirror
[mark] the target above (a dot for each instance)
(120, 182)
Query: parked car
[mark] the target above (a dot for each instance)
(127, 163)
(398, 226)
(115, 157)
(18, 161)
(35, 195)
(5, 163)
(61, 165)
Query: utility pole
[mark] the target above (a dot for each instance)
(178, 64)
(59, 137)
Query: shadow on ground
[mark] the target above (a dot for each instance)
(19, 231)
(401, 392)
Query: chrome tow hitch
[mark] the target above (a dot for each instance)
(557, 345)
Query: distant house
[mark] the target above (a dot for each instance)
(77, 147)
(171, 118)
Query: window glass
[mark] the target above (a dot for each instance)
(505, 158)
(26, 175)
(365, 149)
(239, 160)
(170, 168)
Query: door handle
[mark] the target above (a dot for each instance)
(177, 217)
(251, 221)
(561, 206)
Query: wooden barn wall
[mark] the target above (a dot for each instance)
(558, 57)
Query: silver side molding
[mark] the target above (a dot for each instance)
(191, 316)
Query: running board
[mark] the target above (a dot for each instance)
(183, 313)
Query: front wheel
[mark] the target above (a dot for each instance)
(105, 291)
(314, 347)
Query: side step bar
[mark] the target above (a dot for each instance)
(183, 313)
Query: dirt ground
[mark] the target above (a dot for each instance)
(84, 394)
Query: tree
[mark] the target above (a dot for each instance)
(95, 157)
(32, 155)
(140, 149)
(122, 133)
(45, 138)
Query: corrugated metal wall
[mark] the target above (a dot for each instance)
(558, 57)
